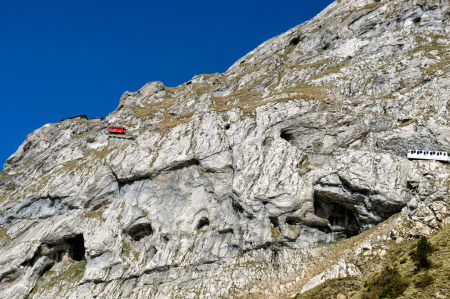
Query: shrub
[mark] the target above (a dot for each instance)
(388, 284)
(421, 253)
(403, 260)
(424, 281)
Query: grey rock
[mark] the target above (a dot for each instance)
(230, 180)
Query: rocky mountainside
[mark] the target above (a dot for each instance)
(231, 181)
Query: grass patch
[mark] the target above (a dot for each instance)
(332, 287)
(10, 187)
(4, 237)
(171, 121)
(427, 46)
(129, 252)
(73, 274)
(275, 232)
(387, 284)
(309, 92)
(332, 69)
(424, 281)
(3, 175)
(355, 10)
(313, 65)
(94, 214)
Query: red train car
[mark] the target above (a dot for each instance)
(117, 130)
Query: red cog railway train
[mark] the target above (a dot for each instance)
(117, 130)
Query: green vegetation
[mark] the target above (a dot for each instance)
(332, 287)
(3, 174)
(72, 275)
(128, 251)
(424, 281)
(10, 187)
(397, 275)
(388, 284)
(420, 255)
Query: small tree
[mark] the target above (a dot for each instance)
(422, 252)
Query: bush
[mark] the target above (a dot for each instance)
(424, 280)
(420, 255)
(388, 284)
(403, 260)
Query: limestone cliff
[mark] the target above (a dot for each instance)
(231, 180)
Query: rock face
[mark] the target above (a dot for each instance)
(341, 270)
(231, 179)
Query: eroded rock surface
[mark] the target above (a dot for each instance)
(231, 179)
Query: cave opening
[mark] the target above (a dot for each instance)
(295, 40)
(343, 221)
(203, 223)
(140, 231)
(274, 222)
(77, 251)
(286, 135)
(227, 126)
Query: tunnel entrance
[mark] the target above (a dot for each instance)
(77, 250)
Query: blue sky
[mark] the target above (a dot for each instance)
(64, 58)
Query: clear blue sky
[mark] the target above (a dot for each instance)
(64, 58)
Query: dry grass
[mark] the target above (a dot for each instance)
(3, 175)
(423, 284)
(70, 276)
(313, 64)
(427, 46)
(403, 124)
(171, 121)
(355, 10)
(309, 92)
(4, 237)
(275, 232)
(94, 214)
(129, 252)
(426, 283)
(246, 101)
(331, 288)
(332, 69)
